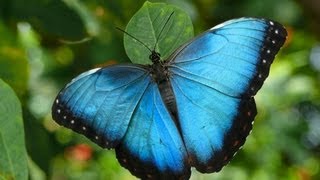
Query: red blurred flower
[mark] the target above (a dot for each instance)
(80, 152)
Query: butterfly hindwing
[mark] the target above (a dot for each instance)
(206, 117)
(100, 103)
(214, 77)
(152, 147)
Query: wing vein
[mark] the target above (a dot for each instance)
(181, 75)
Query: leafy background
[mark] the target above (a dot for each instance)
(45, 43)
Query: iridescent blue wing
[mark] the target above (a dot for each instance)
(214, 78)
(120, 107)
(100, 103)
(152, 147)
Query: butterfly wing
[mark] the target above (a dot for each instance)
(152, 147)
(120, 107)
(214, 78)
(100, 103)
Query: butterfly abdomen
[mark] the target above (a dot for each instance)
(167, 96)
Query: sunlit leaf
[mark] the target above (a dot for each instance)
(146, 25)
(13, 158)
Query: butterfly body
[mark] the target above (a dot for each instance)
(194, 109)
(161, 76)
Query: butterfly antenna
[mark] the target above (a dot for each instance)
(134, 38)
(165, 24)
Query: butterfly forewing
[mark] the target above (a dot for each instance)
(100, 103)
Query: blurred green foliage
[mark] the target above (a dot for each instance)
(13, 159)
(45, 43)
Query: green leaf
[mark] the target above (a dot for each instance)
(13, 155)
(146, 26)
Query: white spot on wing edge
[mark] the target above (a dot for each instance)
(264, 61)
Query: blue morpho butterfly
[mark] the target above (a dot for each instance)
(195, 109)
